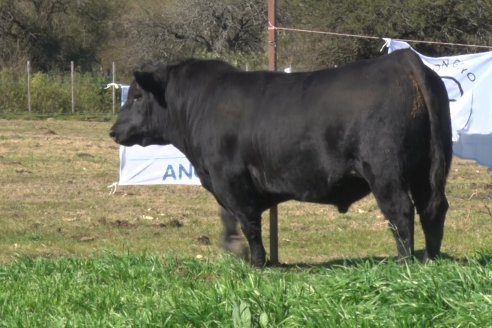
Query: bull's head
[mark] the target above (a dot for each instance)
(142, 119)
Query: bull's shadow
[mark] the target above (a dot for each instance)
(483, 260)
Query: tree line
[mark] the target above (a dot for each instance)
(93, 33)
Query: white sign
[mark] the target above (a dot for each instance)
(155, 165)
(468, 80)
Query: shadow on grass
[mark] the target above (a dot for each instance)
(483, 259)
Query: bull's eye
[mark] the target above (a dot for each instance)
(137, 97)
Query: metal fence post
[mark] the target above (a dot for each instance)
(72, 79)
(29, 86)
(114, 89)
(272, 65)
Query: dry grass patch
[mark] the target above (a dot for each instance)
(55, 202)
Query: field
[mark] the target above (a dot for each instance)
(143, 248)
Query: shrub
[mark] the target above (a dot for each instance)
(13, 92)
(51, 93)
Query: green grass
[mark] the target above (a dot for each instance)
(148, 291)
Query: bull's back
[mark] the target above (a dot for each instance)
(327, 111)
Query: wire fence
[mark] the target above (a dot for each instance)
(371, 37)
(58, 93)
(65, 93)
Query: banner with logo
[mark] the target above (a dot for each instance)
(468, 80)
(155, 165)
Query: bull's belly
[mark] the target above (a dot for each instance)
(342, 192)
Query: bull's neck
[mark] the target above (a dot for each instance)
(185, 99)
(182, 132)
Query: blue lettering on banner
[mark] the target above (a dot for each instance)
(183, 172)
(169, 173)
(458, 66)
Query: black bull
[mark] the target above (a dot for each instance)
(331, 136)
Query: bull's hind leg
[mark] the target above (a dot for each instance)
(433, 226)
(232, 240)
(432, 219)
(397, 207)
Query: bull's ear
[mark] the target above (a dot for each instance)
(153, 80)
(145, 80)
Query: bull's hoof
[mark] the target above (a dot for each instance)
(260, 263)
(343, 208)
(429, 258)
(235, 245)
(408, 259)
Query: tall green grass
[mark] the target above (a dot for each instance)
(147, 291)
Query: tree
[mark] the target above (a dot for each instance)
(53, 32)
(457, 21)
(194, 27)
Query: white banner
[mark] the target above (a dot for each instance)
(155, 165)
(468, 79)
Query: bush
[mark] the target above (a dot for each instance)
(51, 93)
(13, 92)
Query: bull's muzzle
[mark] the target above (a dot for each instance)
(113, 135)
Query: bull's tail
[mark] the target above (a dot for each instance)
(433, 91)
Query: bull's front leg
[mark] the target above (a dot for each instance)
(236, 192)
(233, 242)
(251, 227)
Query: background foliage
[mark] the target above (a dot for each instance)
(93, 34)
(456, 21)
(51, 93)
(51, 33)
